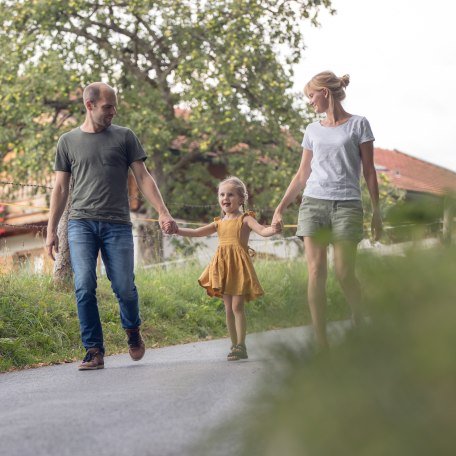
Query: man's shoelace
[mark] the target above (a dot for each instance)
(134, 339)
(89, 356)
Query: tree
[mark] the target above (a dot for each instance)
(205, 85)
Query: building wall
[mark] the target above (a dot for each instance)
(25, 252)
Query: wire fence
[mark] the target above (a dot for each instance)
(139, 198)
(280, 246)
(41, 228)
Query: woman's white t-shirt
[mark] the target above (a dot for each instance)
(336, 159)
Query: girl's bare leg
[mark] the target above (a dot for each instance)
(316, 257)
(344, 265)
(230, 320)
(240, 319)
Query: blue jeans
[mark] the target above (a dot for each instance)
(86, 238)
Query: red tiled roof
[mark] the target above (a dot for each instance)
(413, 174)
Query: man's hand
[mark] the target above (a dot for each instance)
(167, 224)
(52, 241)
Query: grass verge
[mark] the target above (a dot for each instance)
(39, 323)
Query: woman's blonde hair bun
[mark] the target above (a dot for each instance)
(345, 80)
(328, 80)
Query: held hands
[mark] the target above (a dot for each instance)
(276, 227)
(277, 223)
(167, 224)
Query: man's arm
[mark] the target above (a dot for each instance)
(59, 198)
(149, 189)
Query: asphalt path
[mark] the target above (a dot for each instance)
(164, 405)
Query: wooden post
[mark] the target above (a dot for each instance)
(448, 218)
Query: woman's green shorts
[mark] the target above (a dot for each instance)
(330, 221)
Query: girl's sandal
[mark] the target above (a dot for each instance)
(238, 352)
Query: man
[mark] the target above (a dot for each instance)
(98, 155)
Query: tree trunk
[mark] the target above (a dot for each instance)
(150, 243)
(63, 274)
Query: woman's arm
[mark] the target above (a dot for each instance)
(370, 175)
(296, 186)
(205, 230)
(262, 230)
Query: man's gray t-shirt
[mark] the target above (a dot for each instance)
(336, 159)
(99, 165)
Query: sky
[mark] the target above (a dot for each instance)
(401, 58)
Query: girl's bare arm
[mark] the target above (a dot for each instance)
(262, 230)
(205, 230)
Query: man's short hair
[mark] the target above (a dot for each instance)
(93, 91)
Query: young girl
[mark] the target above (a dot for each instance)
(230, 274)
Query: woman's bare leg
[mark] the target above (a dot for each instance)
(344, 264)
(316, 256)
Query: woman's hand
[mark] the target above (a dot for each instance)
(376, 225)
(277, 222)
(276, 228)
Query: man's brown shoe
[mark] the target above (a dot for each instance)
(136, 346)
(93, 360)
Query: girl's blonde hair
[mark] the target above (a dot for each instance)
(328, 80)
(240, 188)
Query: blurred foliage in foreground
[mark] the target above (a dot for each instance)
(387, 389)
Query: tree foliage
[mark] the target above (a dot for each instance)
(206, 85)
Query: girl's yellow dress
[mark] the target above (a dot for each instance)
(231, 270)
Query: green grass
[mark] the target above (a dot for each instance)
(386, 389)
(39, 323)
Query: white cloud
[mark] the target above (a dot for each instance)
(401, 57)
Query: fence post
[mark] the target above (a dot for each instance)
(448, 216)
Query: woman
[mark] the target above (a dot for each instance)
(331, 211)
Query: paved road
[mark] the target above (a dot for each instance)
(161, 406)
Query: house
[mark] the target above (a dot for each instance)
(23, 219)
(423, 182)
(414, 175)
(24, 211)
